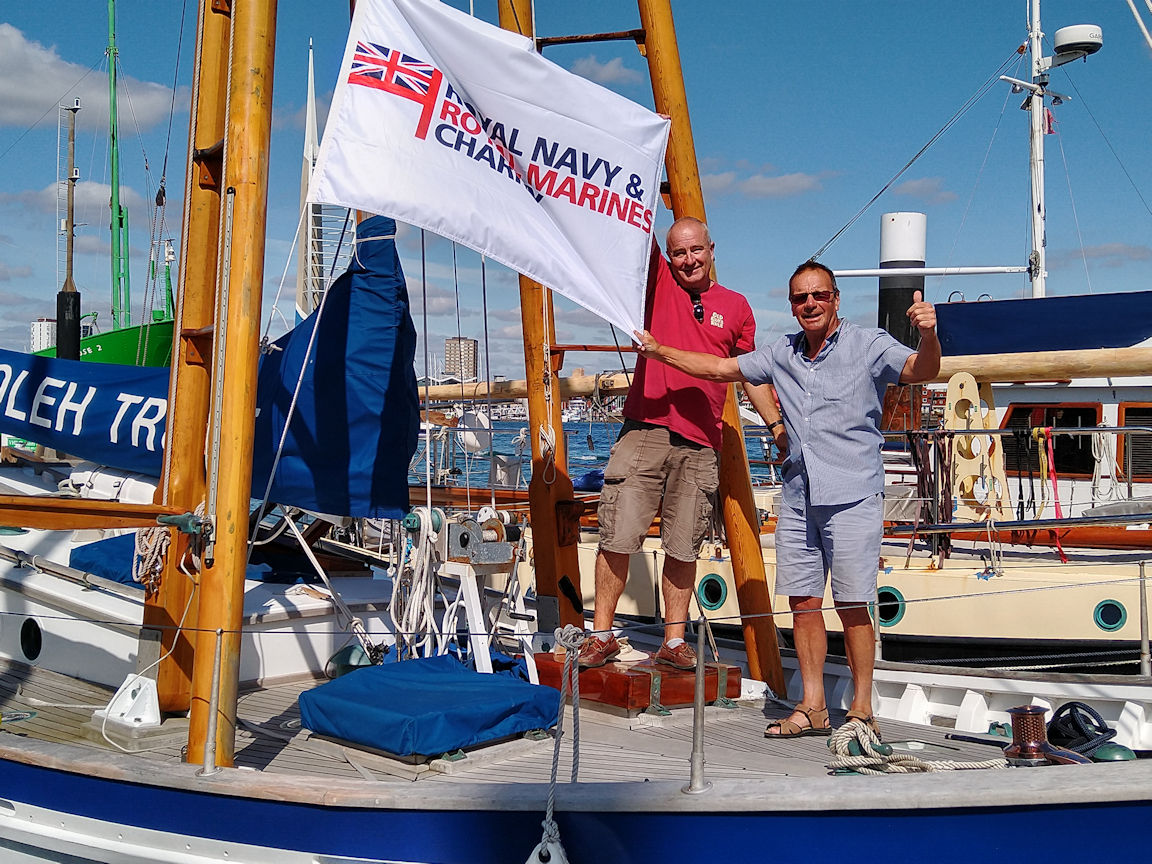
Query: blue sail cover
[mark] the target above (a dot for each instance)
(1074, 322)
(110, 414)
(356, 421)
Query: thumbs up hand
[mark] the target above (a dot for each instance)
(921, 314)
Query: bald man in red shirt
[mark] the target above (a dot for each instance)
(665, 457)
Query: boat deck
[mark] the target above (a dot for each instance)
(613, 748)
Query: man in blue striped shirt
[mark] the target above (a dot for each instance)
(830, 379)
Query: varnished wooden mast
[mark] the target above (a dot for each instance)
(555, 527)
(741, 519)
(245, 189)
(183, 483)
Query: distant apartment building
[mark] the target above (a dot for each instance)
(460, 359)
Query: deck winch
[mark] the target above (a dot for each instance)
(470, 550)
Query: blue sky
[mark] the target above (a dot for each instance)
(801, 113)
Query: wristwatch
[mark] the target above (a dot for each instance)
(775, 423)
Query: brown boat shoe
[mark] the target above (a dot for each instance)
(681, 657)
(596, 651)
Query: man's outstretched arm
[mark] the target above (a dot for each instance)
(763, 399)
(709, 367)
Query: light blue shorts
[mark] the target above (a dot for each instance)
(843, 539)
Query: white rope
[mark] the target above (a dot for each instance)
(890, 763)
(412, 609)
(1104, 462)
(549, 848)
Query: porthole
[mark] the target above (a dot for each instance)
(31, 639)
(712, 591)
(1110, 615)
(890, 605)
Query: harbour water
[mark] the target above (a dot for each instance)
(589, 444)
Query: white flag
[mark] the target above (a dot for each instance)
(459, 127)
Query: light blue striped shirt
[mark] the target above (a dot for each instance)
(832, 406)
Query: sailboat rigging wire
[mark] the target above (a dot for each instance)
(354, 625)
(972, 100)
(275, 309)
(460, 375)
(193, 122)
(979, 175)
(620, 354)
(488, 378)
(547, 431)
(299, 378)
(1140, 21)
(427, 376)
(55, 107)
(1107, 142)
(1075, 215)
(175, 81)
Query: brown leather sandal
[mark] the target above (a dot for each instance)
(789, 729)
(868, 720)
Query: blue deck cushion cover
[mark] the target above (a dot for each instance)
(426, 707)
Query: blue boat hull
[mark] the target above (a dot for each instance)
(221, 823)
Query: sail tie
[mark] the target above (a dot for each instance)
(1049, 433)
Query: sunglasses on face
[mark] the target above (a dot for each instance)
(818, 296)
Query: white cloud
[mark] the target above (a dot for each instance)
(612, 72)
(929, 189)
(7, 274)
(780, 186)
(1104, 255)
(34, 79)
(718, 184)
(91, 200)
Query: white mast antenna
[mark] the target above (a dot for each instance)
(1069, 43)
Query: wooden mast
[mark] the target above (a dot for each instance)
(240, 290)
(184, 482)
(555, 515)
(741, 519)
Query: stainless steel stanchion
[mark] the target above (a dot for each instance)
(697, 783)
(210, 767)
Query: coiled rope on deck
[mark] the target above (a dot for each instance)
(840, 743)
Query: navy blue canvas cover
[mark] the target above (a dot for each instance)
(111, 414)
(426, 707)
(356, 421)
(110, 558)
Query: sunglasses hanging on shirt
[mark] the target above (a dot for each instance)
(697, 309)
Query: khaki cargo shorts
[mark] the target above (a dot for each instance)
(649, 467)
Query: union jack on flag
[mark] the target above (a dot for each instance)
(399, 74)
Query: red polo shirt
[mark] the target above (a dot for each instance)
(666, 397)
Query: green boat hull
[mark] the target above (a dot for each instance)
(138, 345)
